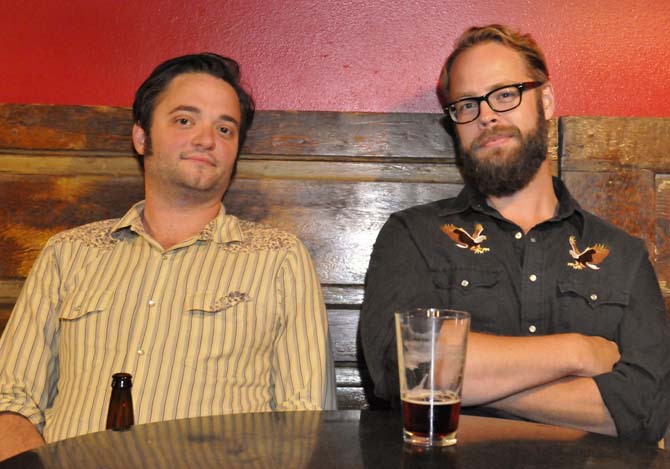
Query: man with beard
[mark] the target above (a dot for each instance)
(568, 322)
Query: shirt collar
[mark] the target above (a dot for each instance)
(221, 229)
(471, 199)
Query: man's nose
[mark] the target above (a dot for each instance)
(204, 137)
(487, 116)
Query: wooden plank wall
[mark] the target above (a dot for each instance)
(619, 168)
(331, 178)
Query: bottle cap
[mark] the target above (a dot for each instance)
(122, 380)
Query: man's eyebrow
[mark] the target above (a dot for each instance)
(500, 84)
(195, 110)
(182, 107)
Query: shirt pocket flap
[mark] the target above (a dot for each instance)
(210, 302)
(466, 278)
(594, 293)
(85, 302)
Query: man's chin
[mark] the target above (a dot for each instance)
(500, 153)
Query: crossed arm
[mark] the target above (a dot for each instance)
(545, 379)
(542, 378)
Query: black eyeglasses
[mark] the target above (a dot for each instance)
(501, 99)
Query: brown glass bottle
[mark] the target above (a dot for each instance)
(120, 416)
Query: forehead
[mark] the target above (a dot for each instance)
(484, 67)
(200, 90)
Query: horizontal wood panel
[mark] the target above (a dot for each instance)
(121, 165)
(31, 127)
(337, 220)
(10, 289)
(107, 129)
(5, 311)
(348, 374)
(351, 399)
(343, 326)
(623, 197)
(342, 295)
(616, 141)
(34, 208)
(396, 135)
(303, 134)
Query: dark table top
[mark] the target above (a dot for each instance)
(347, 439)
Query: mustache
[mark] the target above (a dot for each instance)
(489, 134)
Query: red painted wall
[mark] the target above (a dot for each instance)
(607, 57)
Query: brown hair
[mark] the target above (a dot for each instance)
(523, 43)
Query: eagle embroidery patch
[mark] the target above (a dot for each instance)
(589, 257)
(463, 239)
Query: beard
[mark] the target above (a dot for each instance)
(500, 175)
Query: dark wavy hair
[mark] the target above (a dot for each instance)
(213, 64)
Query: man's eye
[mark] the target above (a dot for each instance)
(465, 106)
(506, 95)
(225, 131)
(183, 121)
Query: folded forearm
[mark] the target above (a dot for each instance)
(17, 434)
(498, 366)
(570, 402)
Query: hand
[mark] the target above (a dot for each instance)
(596, 355)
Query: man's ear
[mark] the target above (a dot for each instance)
(139, 138)
(548, 103)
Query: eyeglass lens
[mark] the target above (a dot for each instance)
(500, 100)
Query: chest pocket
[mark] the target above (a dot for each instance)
(591, 307)
(209, 302)
(220, 328)
(84, 318)
(476, 291)
(83, 303)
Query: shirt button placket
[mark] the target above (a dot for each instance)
(531, 297)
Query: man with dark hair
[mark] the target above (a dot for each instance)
(568, 322)
(209, 313)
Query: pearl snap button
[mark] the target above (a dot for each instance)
(465, 283)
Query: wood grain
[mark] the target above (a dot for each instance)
(622, 197)
(37, 207)
(33, 127)
(614, 142)
(5, 311)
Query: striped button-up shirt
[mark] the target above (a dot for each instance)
(231, 320)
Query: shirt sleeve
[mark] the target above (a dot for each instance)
(397, 279)
(303, 369)
(28, 346)
(637, 391)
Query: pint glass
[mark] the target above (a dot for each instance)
(431, 357)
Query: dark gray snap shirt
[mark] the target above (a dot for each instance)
(518, 284)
